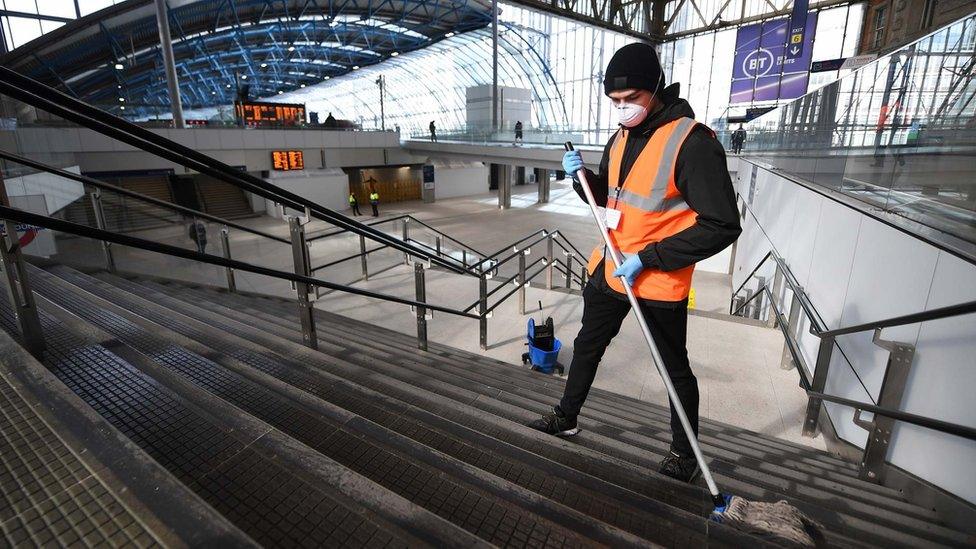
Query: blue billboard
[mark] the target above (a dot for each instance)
(768, 65)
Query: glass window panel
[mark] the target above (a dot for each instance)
(23, 30)
(90, 6)
(57, 8)
(25, 6)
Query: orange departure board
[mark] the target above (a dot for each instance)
(287, 160)
(270, 114)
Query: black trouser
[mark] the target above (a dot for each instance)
(202, 246)
(355, 209)
(376, 210)
(602, 316)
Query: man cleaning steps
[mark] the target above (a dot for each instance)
(669, 203)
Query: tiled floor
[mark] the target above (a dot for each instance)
(737, 365)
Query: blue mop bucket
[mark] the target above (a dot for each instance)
(542, 361)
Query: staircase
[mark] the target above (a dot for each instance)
(368, 441)
(223, 199)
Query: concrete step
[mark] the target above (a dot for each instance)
(69, 478)
(260, 480)
(863, 519)
(489, 507)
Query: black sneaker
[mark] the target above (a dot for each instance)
(680, 468)
(555, 423)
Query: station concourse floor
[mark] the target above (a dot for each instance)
(737, 363)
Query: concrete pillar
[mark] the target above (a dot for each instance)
(172, 81)
(542, 179)
(504, 187)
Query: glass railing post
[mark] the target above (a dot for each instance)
(569, 270)
(549, 260)
(299, 249)
(225, 240)
(483, 310)
(521, 282)
(811, 424)
(18, 286)
(362, 257)
(777, 287)
(437, 244)
(96, 198)
(786, 362)
(582, 277)
(464, 258)
(421, 289)
(406, 238)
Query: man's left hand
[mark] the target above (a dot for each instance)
(630, 269)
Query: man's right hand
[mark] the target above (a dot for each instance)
(572, 162)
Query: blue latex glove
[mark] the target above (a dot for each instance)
(630, 269)
(572, 162)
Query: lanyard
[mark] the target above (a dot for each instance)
(620, 180)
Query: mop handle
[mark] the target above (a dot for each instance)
(655, 354)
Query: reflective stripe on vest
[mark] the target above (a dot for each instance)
(651, 208)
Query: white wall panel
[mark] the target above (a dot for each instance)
(940, 385)
(806, 226)
(831, 260)
(856, 269)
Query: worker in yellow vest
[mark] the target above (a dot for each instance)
(354, 204)
(374, 201)
(669, 201)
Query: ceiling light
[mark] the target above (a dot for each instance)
(120, 86)
(243, 77)
(119, 66)
(122, 107)
(280, 92)
(213, 93)
(264, 65)
(448, 35)
(302, 86)
(355, 67)
(327, 77)
(228, 85)
(291, 48)
(121, 99)
(394, 54)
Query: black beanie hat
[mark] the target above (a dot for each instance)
(634, 66)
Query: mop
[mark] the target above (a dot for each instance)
(777, 522)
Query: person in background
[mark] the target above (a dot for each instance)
(374, 201)
(518, 132)
(354, 204)
(665, 178)
(738, 139)
(433, 132)
(198, 234)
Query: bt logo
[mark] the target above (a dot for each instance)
(758, 63)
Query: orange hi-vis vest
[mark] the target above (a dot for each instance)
(651, 209)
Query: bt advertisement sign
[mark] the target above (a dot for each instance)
(766, 67)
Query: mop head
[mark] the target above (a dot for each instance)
(779, 522)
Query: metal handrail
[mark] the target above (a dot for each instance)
(132, 194)
(748, 278)
(934, 314)
(528, 278)
(51, 223)
(348, 258)
(907, 417)
(57, 103)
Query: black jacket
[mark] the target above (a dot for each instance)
(702, 178)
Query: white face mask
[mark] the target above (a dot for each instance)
(631, 114)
